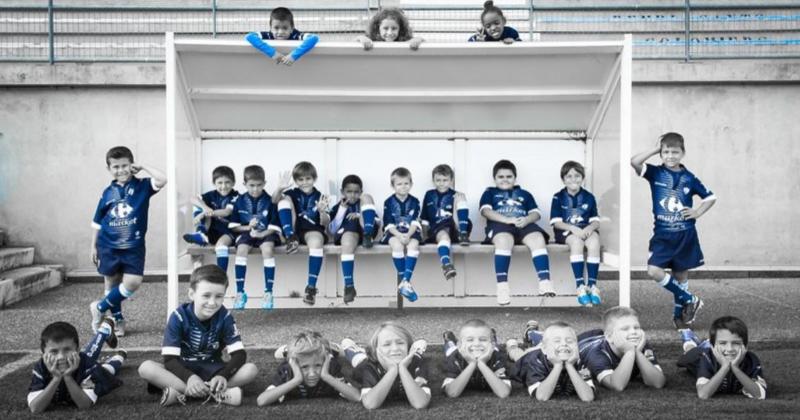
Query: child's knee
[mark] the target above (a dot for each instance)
(132, 281)
(267, 250)
(367, 199)
(314, 240)
(242, 250)
(413, 244)
(655, 273)
(147, 370)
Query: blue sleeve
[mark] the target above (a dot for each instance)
(592, 209)
(556, 215)
(514, 34)
(486, 199)
(649, 354)
(309, 41)
(700, 189)
(388, 217)
(705, 366)
(173, 335)
(498, 364)
(535, 371)
(234, 219)
(473, 38)
(282, 375)
(274, 221)
(416, 209)
(151, 190)
(426, 207)
(208, 199)
(99, 212)
(648, 172)
(40, 377)
(531, 202)
(230, 334)
(597, 362)
(755, 370)
(451, 366)
(254, 38)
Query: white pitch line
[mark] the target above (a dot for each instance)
(762, 297)
(19, 364)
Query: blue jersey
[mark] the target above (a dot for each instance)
(455, 363)
(579, 210)
(401, 215)
(341, 220)
(294, 36)
(707, 366)
(246, 207)
(305, 207)
(672, 191)
(216, 201)
(200, 341)
(321, 390)
(515, 202)
(534, 367)
(438, 208)
(92, 378)
(368, 373)
(598, 356)
(508, 32)
(121, 215)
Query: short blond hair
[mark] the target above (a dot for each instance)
(393, 327)
(308, 343)
(616, 313)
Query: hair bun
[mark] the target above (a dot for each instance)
(488, 4)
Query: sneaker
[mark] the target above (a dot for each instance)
(448, 335)
(357, 353)
(269, 301)
(679, 324)
(97, 316)
(690, 309)
(689, 338)
(120, 327)
(418, 347)
(503, 293)
(594, 294)
(170, 396)
(494, 337)
(546, 288)
(107, 328)
(280, 352)
(366, 241)
(407, 291)
(231, 396)
(241, 301)
(292, 244)
(349, 294)
(309, 298)
(348, 343)
(196, 238)
(463, 239)
(449, 271)
(121, 353)
(530, 326)
(583, 295)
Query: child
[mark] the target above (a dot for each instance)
(352, 221)
(674, 244)
(120, 224)
(392, 365)
(311, 371)
(196, 334)
(281, 27)
(446, 215)
(511, 214)
(255, 218)
(63, 375)
(389, 25)
(473, 360)
(211, 212)
(554, 368)
(722, 363)
(620, 352)
(401, 230)
(573, 215)
(493, 26)
(305, 209)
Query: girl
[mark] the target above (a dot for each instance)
(389, 25)
(493, 26)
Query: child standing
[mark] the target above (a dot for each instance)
(573, 215)
(255, 218)
(511, 214)
(474, 360)
(389, 25)
(197, 333)
(401, 228)
(493, 26)
(352, 221)
(446, 216)
(281, 27)
(211, 212)
(120, 224)
(674, 244)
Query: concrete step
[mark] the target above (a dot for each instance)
(11, 258)
(24, 282)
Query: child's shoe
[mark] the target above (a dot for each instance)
(366, 241)
(309, 298)
(449, 271)
(356, 353)
(231, 396)
(170, 396)
(120, 328)
(689, 338)
(269, 301)
(407, 291)
(690, 309)
(594, 294)
(97, 316)
(532, 336)
(280, 352)
(241, 301)
(448, 335)
(349, 294)
(546, 288)
(418, 347)
(107, 328)
(583, 295)
(196, 238)
(503, 293)
(292, 244)
(463, 239)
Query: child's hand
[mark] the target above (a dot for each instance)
(196, 388)
(641, 343)
(278, 57)
(722, 360)
(73, 360)
(51, 363)
(326, 365)
(508, 41)
(365, 42)
(520, 222)
(253, 223)
(739, 357)
(407, 360)
(322, 204)
(459, 197)
(255, 234)
(95, 258)
(405, 238)
(414, 43)
(689, 213)
(480, 35)
(218, 384)
(296, 372)
(574, 357)
(284, 180)
(135, 168)
(486, 355)
(208, 213)
(585, 234)
(287, 60)
(354, 216)
(576, 231)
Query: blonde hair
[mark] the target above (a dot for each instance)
(308, 343)
(614, 314)
(557, 324)
(393, 327)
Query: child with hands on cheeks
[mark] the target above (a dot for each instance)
(473, 360)
(389, 25)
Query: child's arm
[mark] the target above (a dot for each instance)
(78, 395)
(637, 161)
(158, 177)
(309, 41)
(284, 183)
(41, 398)
(546, 387)
(95, 234)
(652, 376)
(415, 42)
(705, 205)
(274, 394)
(198, 202)
(706, 388)
(346, 390)
(620, 377)
(322, 209)
(376, 395)
(254, 38)
(751, 388)
(365, 42)
(584, 391)
(416, 396)
(494, 216)
(457, 385)
(500, 387)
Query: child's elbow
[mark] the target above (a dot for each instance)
(588, 398)
(504, 392)
(369, 404)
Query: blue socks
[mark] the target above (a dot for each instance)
(576, 261)
(269, 274)
(95, 345)
(114, 298)
(399, 260)
(241, 272)
(463, 217)
(285, 217)
(411, 262)
(593, 269)
(348, 265)
(314, 266)
(444, 252)
(368, 213)
(222, 257)
(502, 260)
(671, 284)
(541, 263)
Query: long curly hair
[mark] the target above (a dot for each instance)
(373, 31)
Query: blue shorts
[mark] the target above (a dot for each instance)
(493, 228)
(561, 235)
(355, 227)
(246, 239)
(301, 234)
(214, 236)
(452, 230)
(204, 369)
(679, 251)
(116, 261)
(387, 235)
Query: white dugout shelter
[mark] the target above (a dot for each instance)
(347, 110)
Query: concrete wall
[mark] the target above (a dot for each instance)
(739, 119)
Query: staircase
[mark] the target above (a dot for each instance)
(20, 278)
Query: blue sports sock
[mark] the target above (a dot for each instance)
(348, 265)
(113, 365)
(222, 257)
(677, 309)
(95, 345)
(671, 284)
(241, 273)
(368, 213)
(314, 265)
(399, 260)
(114, 298)
(463, 217)
(592, 269)
(535, 336)
(285, 217)
(444, 252)
(354, 357)
(117, 313)
(411, 262)
(541, 263)
(269, 274)
(576, 261)
(502, 260)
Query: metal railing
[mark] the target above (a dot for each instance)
(52, 32)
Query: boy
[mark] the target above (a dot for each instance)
(511, 214)
(554, 368)
(65, 376)
(620, 352)
(281, 27)
(401, 230)
(352, 221)
(474, 361)
(254, 217)
(674, 244)
(211, 212)
(120, 224)
(446, 216)
(722, 363)
(305, 209)
(196, 334)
